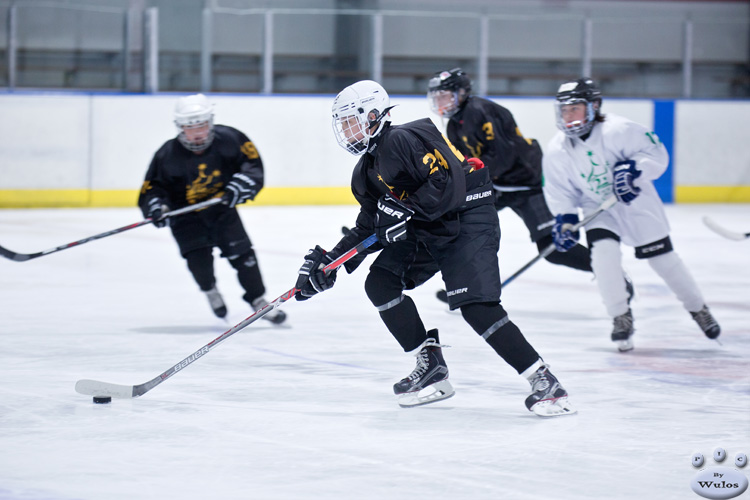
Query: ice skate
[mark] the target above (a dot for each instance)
(275, 316)
(548, 398)
(429, 380)
(622, 333)
(706, 321)
(216, 302)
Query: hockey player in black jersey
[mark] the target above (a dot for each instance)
(432, 211)
(208, 161)
(481, 128)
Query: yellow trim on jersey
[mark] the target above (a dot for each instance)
(58, 198)
(712, 194)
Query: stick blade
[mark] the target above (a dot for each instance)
(18, 257)
(96, 388)
(713, 226)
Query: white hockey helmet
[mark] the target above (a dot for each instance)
(194, 117)
(360, 112)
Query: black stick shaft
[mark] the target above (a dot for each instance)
(22, 257)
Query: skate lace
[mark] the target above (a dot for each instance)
(423, 359)
(540, 382)
(214, 298)
(704, 319)
(623, 322)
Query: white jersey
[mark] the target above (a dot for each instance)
(578, 173)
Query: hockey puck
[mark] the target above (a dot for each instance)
(101, 400)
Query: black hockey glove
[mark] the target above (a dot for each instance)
(312, 279)
(156, 210)
(239, 189)
(624, 175)
(390, 220)
(564, 238)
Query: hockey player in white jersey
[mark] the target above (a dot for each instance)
(593, 157)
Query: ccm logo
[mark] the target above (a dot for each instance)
(389, 211)
(653, 248)
(478, 196)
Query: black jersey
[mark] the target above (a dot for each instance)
(415, 163)
(488, 131)
(181, 177)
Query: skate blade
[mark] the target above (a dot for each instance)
(553, 408)
(430, 394)
(624, 345)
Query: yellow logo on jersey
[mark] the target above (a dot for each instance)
(203, 187)
(249, 150)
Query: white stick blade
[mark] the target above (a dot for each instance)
(713, 226)
(96, 388)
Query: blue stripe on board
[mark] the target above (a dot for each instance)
(664, 128)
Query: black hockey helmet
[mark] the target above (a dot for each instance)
(447, 90)
(580, 91)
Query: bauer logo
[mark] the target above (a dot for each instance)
(182, 364)
(719, 481)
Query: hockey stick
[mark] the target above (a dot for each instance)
(96, 388)
(610, 202)
(22, 257)
(732, 235)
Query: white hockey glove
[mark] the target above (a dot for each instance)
(390, 220)
(239, 189)
(156, 210)
(624, 175)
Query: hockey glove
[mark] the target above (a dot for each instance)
(312, 279)
(239, 189)
(624, 175)
(390, 220)
(156, 210)
(564, 238)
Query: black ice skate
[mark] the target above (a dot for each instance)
(622, 333)
(276, 316)
(706, 321)
(429, 380)
(216, 302)
(548, 398)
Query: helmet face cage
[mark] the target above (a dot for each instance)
(575, 128)
(581, 91)
(447, 90)
(359, 113)
(194, 118)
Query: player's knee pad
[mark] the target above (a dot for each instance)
(485, 317)
(605, 252)
(383, 287)
(200, 262)
(244, 260)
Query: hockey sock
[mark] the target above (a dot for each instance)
(677, 277)
(398, 311)
(248, 274)
(493, 324)
(606, 260)
(577, 257)
(200, 262)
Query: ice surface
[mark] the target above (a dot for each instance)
(307, 411)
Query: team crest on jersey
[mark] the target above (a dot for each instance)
(204, 186)
(598, 178)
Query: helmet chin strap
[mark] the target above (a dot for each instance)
(377, 120)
